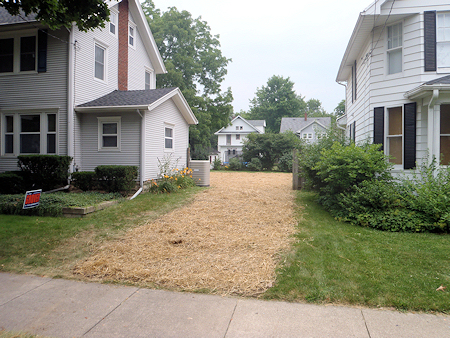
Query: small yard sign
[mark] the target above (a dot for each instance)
(32, 199)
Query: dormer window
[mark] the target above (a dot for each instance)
(394, 48)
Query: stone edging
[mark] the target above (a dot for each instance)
(80, 212)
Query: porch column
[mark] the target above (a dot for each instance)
(434, 116)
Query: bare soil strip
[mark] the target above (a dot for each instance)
(227, 241)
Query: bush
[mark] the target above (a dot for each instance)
(85, 180)
(117, 178)
(342, 168)
(44, 172)
(172, 181)
(254, 164)
(235, 164)
(285, 162)
(11, 182)
(217, 164)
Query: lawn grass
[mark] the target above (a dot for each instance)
(52, 245)
(335, 262)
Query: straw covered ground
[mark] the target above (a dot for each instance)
(226, 241)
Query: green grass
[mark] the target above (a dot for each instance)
(52, 245)
(335, 262)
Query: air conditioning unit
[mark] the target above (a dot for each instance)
(200, 172)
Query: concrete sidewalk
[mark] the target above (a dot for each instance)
(62, 308)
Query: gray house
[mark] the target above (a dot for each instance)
(90, 95)
(308, 128)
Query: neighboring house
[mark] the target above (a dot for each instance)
(90, 95)
(309, 129)
(231, 138)
(397, 73)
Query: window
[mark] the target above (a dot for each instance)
(113, 23)
(6, 55)
(30, 134)
(168, 138)
(99, 71)
(51, 133)
(109, 133)
(443, 40)
(18, 54)
(228, 139)
(9, 134)
(147, 79)
(131, 36)
(394, 48)
(238, 137)
(445, 134)
(395, 135)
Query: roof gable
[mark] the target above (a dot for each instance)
(230, 129)
(139, 100)
(297, 124)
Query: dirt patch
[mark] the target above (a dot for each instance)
(226, 241)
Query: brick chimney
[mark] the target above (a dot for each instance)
(123, 46)
(306, 116)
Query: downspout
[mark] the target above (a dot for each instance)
(70, 100)
(142, 157)
(345, 113)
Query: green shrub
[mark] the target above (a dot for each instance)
(235, 164)
(285, 162)
(342, 168)
(85, 180)
(11, 182)
(117, 178)
(44, 172)
(254, 164)
(172, 180)
(217, 164)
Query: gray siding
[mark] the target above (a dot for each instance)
(91, 157)
(155, 121)
(40, 90)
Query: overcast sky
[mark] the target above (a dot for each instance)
(302, 40)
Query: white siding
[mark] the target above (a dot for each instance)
(138, 62)
(40, 90)
(130, 137)
(156, 120)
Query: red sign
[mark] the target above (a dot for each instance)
(32, 199)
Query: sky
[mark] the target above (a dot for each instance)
(304, 40)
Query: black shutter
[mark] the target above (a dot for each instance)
(430, 40)
(354, 131)
(42, 50)
(353, 85)
(356, 95)
(409, 161)
(378, 126)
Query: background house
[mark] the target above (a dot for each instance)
(90, 95)
(232, 137)
(396, 70)
(308, 128)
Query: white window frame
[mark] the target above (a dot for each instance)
(43, 130)
(113, 21)
(109, 119)
(132, 35)
(16, 50)
(442, 135)
(388, 136)
(105, 60)
(151, 84)
(442, 38)
(172, 128)
(238, 137)
(396, 48)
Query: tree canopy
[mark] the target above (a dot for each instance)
(87, 14)
(340, 109)
(276, 100)
(195, 64)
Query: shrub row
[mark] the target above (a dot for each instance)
(111, 178)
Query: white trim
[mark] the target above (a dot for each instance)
(394, 49)
(114, 13)
(103, 46)
(109, 119)
(169, 126)
(132, 29)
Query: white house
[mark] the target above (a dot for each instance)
(309, 129)
(231, 138)
(90, 95)
(396, 69)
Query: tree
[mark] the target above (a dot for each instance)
(274, 101)
(340, 109)
(196, 65)
(315, 109)
(87, 14)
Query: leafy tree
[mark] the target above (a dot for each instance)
(87, 14)
(274, 101)
(269, 147)
(340, 109)
(315, 109)
(195, 64)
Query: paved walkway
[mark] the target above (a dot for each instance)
(63, 308)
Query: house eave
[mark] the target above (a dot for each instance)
(109, 109)
(423, 91)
